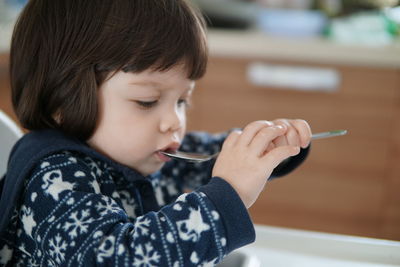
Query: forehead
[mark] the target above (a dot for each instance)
(151, 81)
(154, 77)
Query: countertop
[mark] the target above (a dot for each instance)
(254, 44)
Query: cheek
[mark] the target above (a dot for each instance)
(140, 130)
(133, 145)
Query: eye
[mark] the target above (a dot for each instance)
(146, 104)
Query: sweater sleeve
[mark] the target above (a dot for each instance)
(67, 219)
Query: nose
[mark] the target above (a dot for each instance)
(172, 120)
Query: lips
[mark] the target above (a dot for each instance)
(172, 147)
(162, 157)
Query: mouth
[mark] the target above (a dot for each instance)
(172, 147)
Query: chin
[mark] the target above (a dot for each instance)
(150, 169)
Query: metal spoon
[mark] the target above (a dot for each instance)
(195, 157)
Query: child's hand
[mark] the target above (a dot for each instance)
(298, 134)
(244, 161)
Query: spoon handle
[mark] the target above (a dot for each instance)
(328, 134)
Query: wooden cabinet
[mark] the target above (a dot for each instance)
(349, 184)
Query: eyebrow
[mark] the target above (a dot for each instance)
(146, 83)
(158, 85)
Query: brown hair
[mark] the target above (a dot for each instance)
(62, 50)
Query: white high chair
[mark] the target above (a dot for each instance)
(9, 134)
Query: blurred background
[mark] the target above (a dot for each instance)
(372, 22)
(334, 63)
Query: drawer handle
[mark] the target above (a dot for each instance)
(300, 78)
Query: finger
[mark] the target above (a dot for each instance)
(232, 138)
(285, 122)
(293, 133)
(281, 140)
(304, 132)
(264, 138)
(279, 154)
(251, 130)
(293, 137)
(269, 148)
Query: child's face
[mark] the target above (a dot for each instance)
(141, 114)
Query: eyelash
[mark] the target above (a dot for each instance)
(147, 104)
(150, 104)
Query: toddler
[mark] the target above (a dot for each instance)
(103, 87)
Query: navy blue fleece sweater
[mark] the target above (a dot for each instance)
(64, 204)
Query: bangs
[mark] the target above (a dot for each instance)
(170, 33)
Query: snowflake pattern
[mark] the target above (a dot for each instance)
(57, 248)
(146, 255)
(107, 206)
(141, 227)
(78, 223)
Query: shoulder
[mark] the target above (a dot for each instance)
(49, 164)
(42, 151)
(65, 170)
